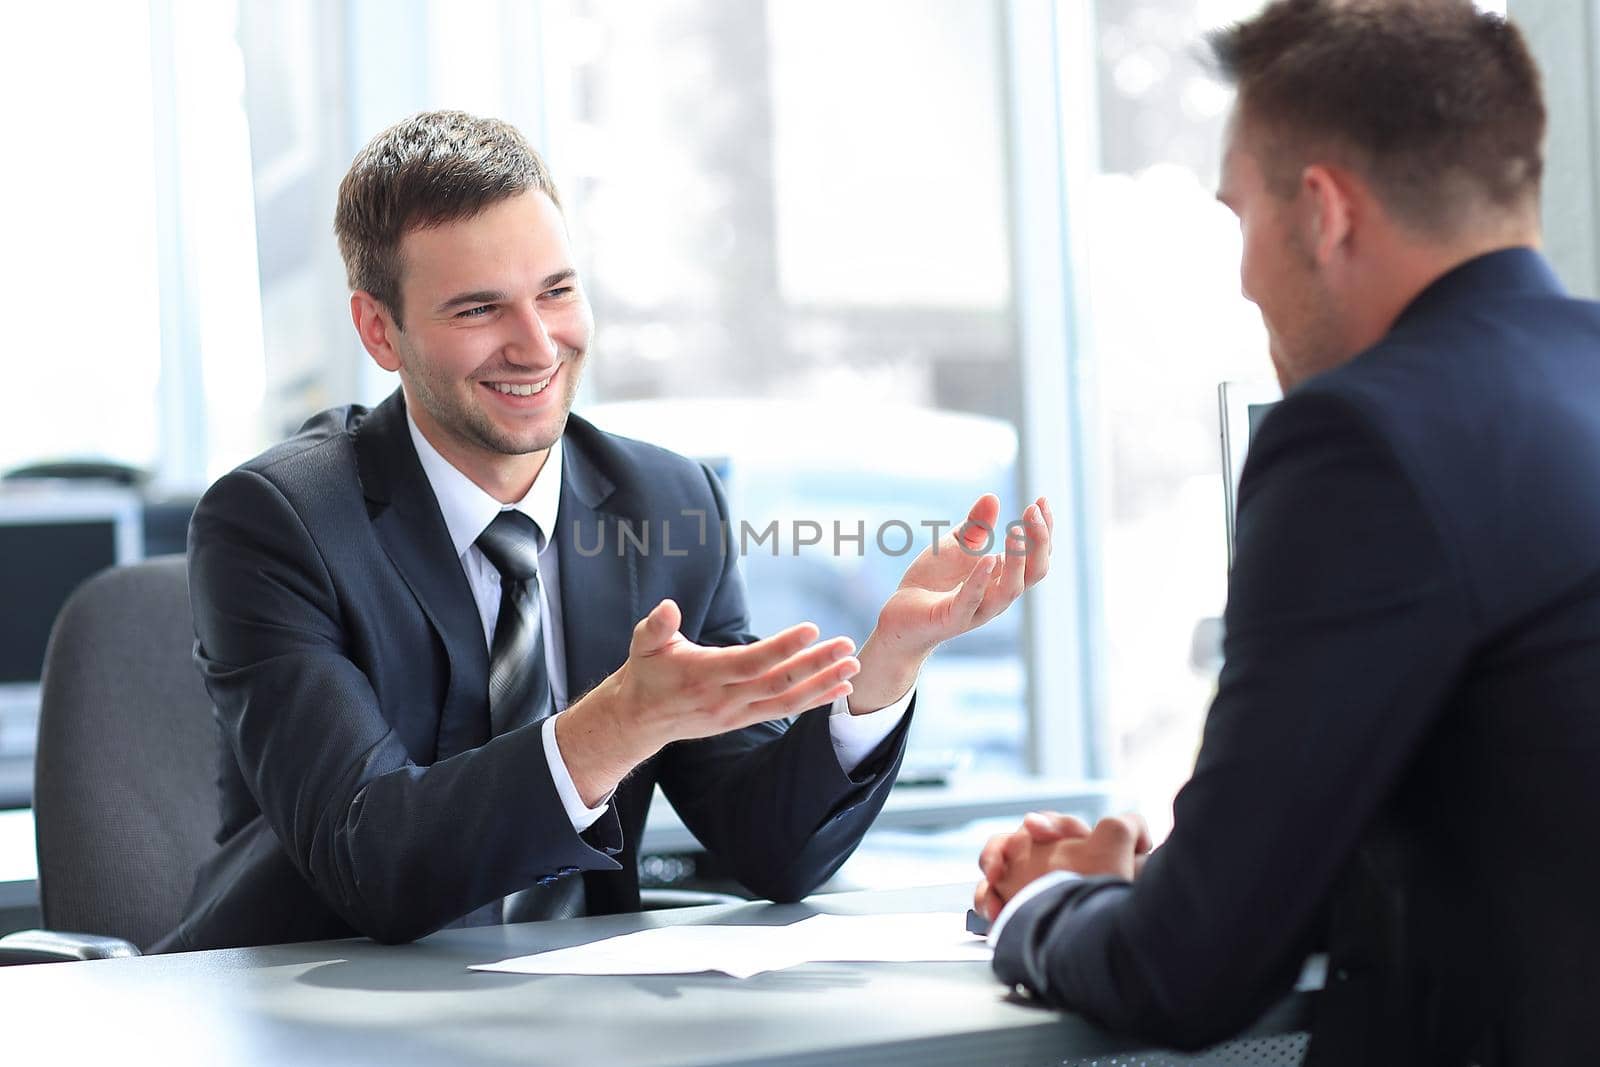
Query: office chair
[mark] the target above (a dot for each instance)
(95, 470)
(124, 777)
(125, 803)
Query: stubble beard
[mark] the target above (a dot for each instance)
(1313, 342)
(465, 420)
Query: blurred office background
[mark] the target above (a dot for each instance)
(870, 257)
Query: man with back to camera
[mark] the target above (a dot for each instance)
(395, 609)
(1402, 759)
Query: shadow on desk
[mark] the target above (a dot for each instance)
(1278, 1038)
(368, 966)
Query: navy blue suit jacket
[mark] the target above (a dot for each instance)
(1402, 762)
(360, 790)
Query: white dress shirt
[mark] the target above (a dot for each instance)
(1047, 880)
(468, 511)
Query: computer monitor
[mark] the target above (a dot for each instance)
(1243, 405)
(53, 535)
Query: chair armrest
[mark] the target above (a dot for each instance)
(58, 946)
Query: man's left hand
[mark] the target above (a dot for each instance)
(953, 586)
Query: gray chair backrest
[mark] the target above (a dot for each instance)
(125, 796)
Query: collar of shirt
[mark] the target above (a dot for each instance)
(468, 510)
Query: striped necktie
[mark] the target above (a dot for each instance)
(519, 683)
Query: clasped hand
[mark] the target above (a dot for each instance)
(1048, 841)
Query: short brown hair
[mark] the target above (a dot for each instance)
(1440, 103)
(433, 168)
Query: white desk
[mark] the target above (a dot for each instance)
(358, 1002)
(19, 867)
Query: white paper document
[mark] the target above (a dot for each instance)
(742, 951)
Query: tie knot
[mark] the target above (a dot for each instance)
(511, 543)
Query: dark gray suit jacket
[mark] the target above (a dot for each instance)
(360, 791)
(1402, 763)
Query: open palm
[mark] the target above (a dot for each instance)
(954, 585)
(965, 578)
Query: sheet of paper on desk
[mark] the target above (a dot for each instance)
(742, 951)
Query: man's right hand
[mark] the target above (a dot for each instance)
(671, 689)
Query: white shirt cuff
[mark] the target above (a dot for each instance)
(1025, 894)
(855, 736)
(581, 814)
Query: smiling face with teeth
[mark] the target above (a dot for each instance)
(496, 332)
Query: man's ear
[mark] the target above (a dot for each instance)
(1332, 210)
(376, 328)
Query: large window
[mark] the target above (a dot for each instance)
(78, 290)
(869, 259)
(1166, 323)
(129, 290)
(796, 240)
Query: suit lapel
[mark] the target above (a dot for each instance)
(599, 585)
(406, 519)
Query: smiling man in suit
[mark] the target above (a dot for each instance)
(1402, 761)
(440, 702)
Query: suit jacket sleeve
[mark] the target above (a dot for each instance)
(771, 800)
(396, 849)
(1346, 623)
